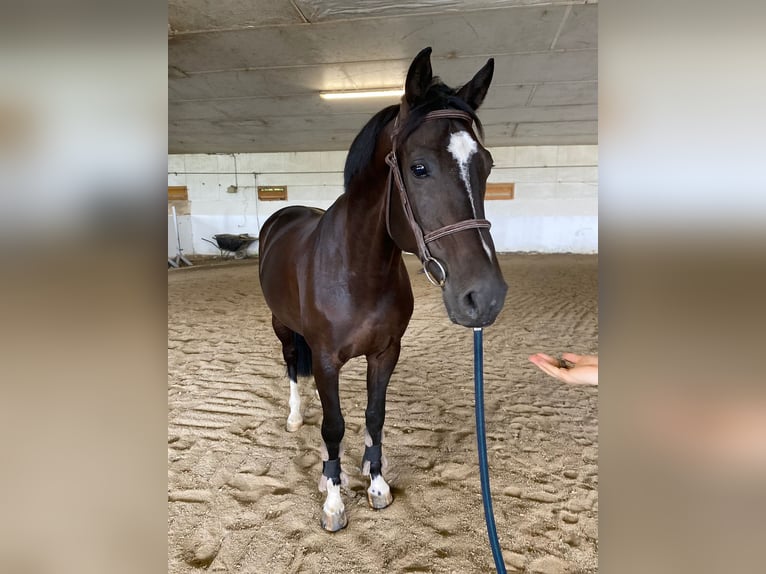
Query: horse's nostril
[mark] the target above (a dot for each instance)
(470, 303)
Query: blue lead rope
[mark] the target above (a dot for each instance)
(481, 440)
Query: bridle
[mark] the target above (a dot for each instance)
(423, 239)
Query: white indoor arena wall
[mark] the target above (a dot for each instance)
(555, 209)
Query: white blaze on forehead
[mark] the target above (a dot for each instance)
(462, 147)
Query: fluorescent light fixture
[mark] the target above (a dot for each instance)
(385, 93)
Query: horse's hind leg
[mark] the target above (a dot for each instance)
(379, 370)
(290, 353)
(333, 428)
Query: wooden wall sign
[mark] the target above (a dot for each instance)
(178, 193)
(499, 191)
(272, 192)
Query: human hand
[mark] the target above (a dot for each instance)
(583, 369)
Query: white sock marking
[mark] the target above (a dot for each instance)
(462, 147)
(334, 503)
(295, 415)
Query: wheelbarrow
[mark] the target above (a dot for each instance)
(233, 244)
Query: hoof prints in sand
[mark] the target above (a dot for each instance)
(242, 491)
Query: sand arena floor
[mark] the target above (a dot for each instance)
(242, 492)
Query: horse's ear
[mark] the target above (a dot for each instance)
(419, 76)
(473, 92)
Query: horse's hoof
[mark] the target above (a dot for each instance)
(293, 426)
(379, 493)
(333, 522)
(379, 500)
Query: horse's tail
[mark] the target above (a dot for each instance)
(303, 356)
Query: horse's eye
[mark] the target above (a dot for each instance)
(419, 170)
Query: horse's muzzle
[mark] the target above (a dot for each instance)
(477, 306)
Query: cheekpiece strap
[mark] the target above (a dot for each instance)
(395, 180)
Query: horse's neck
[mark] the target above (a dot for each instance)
(369, 242)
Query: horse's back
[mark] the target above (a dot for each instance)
(289, 218)
(288, 227)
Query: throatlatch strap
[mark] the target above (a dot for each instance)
(373, 453)
(331, 469)
(396, 175)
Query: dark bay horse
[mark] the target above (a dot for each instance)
(335, 281)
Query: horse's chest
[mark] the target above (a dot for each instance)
(369, 322)
(386, 312)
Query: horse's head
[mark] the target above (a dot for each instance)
(444, 170)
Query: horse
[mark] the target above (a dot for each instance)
(336, 283)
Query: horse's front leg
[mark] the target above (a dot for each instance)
(379, 370)
(326, 374)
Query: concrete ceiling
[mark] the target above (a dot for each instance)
(245, 76)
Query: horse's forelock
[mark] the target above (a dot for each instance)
(439, 96)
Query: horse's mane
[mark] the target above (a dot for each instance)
(438, 96)
(362, 149)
